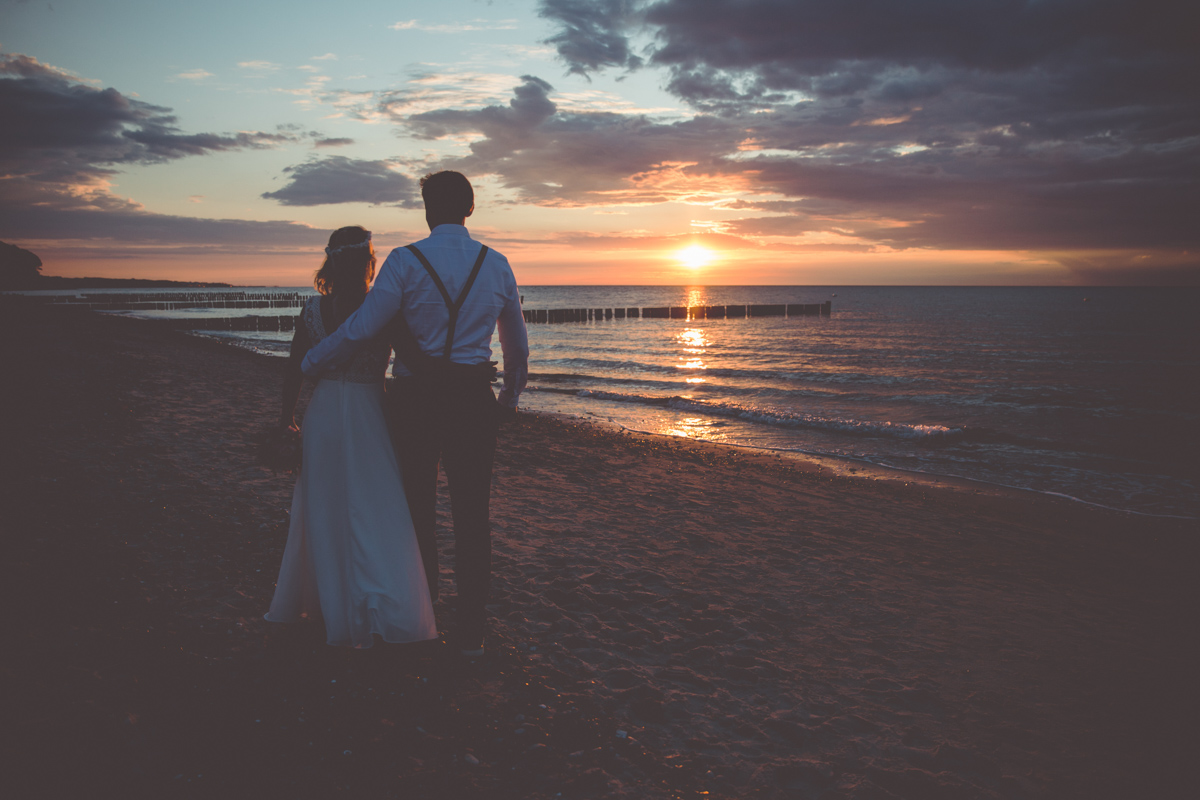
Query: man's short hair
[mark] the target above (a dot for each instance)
(447, 194)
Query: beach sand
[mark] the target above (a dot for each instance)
(671, 619)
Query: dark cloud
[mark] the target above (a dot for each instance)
(816, 37)
(63, 139)
(558, 158)
(33, 210)
(813, 37)
(39, 211)
(1124, 268)
(592, 33)
(506, 126)
(942, 123)
(113, 228)
(339, 141)
(58, 129)
(338, 179)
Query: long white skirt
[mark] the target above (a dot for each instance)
(351, 556)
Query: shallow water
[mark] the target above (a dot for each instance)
(1088, 393)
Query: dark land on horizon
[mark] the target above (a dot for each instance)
(21, 271)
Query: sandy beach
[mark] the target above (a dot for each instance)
(670, 619)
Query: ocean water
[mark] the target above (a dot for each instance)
(1089, 393)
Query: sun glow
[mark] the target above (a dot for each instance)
(695, 256)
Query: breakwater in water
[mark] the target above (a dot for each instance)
(171, 301)
(249, 300)
(534, 315)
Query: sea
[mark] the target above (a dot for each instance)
(1082, 392)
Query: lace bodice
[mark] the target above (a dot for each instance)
(368, 365)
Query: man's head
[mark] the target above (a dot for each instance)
(449, 198)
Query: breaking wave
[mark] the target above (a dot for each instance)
(783, 419)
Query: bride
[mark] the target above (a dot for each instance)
(351, 557)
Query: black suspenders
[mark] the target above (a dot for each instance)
(452, 306)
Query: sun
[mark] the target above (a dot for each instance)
(695, 256)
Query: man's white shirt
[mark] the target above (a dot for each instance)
(403, 285)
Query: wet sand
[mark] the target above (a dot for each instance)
(753, 625)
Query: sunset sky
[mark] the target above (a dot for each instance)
(660, 142)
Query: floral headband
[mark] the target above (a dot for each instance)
(332, 251)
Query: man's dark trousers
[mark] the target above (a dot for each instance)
(453, 421)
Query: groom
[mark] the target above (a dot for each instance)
(438, 301)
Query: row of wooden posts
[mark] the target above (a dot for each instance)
(282, 323)
(171, 301)
(175, 301)
(679, 312)
(286, 322)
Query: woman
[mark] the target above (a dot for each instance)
(351, 557)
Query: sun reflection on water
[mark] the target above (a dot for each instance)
(691, 427)
(692, 342)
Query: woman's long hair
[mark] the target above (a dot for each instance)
(349, 271)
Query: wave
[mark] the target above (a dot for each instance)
(667, 384)
(792, 375)
(979, 398)
(254, 342)
(784, 419)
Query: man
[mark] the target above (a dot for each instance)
(439, 301)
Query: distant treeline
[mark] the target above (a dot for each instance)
(22, 270)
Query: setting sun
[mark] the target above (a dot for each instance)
(695, 256)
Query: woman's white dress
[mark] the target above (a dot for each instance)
(351, 557)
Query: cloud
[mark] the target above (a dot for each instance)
(592, 33)
(461, 27)
(557, 158)
(261, 66)
(423, 91)
(338, 179)
(339, 141)
(326, 57)
(195, 75)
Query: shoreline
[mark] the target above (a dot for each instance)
(757, 626)
(862, 469)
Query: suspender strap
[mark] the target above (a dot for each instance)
(452, 306)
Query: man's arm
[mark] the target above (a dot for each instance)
(514, 344)
(381, 304)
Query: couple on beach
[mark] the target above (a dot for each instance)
(362, 550)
